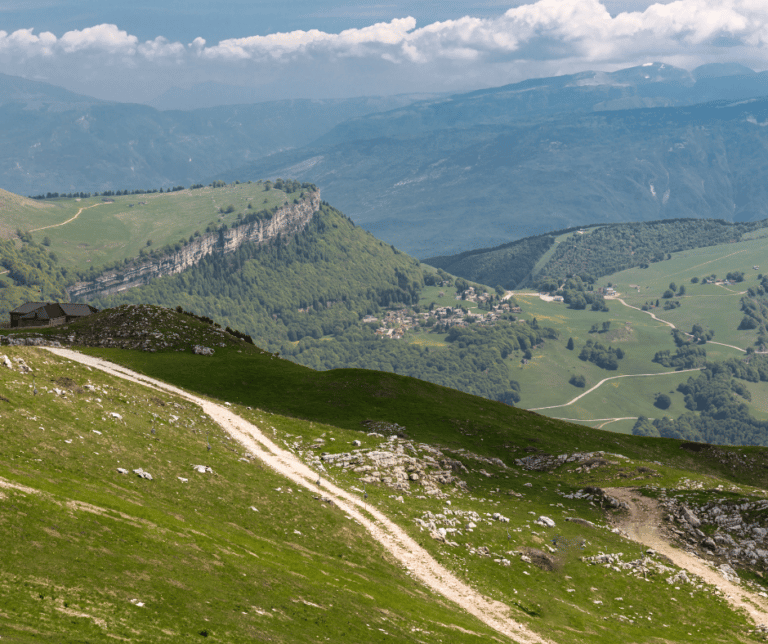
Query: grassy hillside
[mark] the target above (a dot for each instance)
(198, 557)
(93, 555)
(101, 231)
(205, 524)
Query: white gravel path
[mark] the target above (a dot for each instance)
(415, 558)
(642, 525)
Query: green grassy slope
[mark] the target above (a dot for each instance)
(458, 422)
(232, 555)
(211, 547)
(106, 232)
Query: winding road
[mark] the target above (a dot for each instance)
(628, 375)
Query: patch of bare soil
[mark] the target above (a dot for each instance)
(643, 523)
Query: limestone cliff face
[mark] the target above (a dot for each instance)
(288, 220)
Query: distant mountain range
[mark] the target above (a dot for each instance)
(468, 171)
(434, 176)
(60, 141)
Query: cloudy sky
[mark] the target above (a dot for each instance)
(331, 48)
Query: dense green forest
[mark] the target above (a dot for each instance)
(473, 361)
(602, 250)
(28, 272)
(686, 357)
(755, 308)
(600, 355)
(506, 265)
(613, 248)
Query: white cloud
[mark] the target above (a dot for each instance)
(99, 40)
(543, 37)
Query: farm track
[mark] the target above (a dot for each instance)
(722, 344)
(642, 523)
(71, 219)
(628, 375)
(418, 561)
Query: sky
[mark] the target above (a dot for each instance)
(329, 48)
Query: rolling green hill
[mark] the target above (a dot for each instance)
(241, 551)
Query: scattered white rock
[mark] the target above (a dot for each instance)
(545, 521)
(122, 470)
(182, 479)
(202, 469)
(6, 362)
(116, 416)
(96, 431)
(200, 350)
(141, 473)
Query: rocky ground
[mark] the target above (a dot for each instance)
(136, 327)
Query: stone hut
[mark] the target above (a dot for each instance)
(49, 313)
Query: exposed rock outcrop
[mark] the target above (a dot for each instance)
(288, 220)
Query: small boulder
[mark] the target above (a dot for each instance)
(122, 470)
(689, 517)
(142, 474)
(545, 521)
(200, 350)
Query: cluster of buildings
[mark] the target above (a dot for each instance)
(396, 323)
(40, 314)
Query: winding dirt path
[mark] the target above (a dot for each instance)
(731, 346)
(642, 525)
(417, 560)
(628, 375)
(68, 220)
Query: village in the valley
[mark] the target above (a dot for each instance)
(396, 323)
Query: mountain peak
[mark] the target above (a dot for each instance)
(718, 70)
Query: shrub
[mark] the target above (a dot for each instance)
(578, 381)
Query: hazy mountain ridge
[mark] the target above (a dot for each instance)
(454, 189)
(63, 141)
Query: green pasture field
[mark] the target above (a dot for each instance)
(544, 380)
(716, 307)
(626, 397)
(107, 232)
(23, 213)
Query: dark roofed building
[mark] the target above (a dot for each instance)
(49, 313)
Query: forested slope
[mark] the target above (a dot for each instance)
(594, 250)
(315, 283)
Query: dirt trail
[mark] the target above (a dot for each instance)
(417, 560)
(730, 346)
(628, 375)
(642, 525)
(65, 222)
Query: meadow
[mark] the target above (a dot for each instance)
(111, 229)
